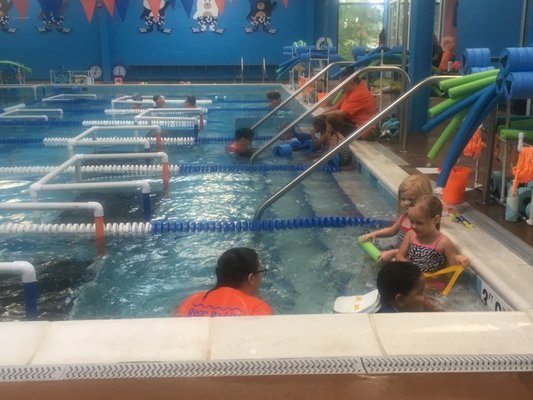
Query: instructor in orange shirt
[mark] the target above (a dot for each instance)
(239, 275)
(356, 106)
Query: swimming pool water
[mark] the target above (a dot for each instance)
(147, 275)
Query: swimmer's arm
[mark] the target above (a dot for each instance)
(340, 113)
(387, 255)
(384, 232)
(450, 251)
(401, 255)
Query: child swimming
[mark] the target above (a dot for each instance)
(401, 286)
(424, 245)
(409, 191)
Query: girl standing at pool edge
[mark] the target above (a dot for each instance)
(412, 187)
(424, 245)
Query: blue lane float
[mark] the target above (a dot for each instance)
(214, 168)
(200, 140)
(167, 226)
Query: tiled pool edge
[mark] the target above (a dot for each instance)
(279, 345)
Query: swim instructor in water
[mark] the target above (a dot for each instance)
(239, 275)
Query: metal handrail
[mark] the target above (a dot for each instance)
(326, 98)
(264, 71)
(300, 90)
(354, 135)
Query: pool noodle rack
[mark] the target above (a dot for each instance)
(156, 115)
(95, 130)
(19, 112)
(69, 97)
(29, 281)
(95, 207)
(43, 185)
(147, 101)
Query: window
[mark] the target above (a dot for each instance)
(360, 22)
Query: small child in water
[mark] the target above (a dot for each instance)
(424, 245)
(401, 286)
(412, 187)
(242, 144)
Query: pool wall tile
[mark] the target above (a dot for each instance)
(455, 333)
(19, 341)
(134, 340)
(293, 336)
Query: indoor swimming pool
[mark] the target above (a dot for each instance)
(148, 274)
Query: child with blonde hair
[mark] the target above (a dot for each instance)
(409, 191)
(424, 245)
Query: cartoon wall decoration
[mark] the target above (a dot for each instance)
(206, 16)
(154, 14)
(5, 7)
(261, 15)
(53, 14)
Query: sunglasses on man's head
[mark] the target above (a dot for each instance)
(261, 271)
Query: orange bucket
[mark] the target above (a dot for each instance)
(454, 191)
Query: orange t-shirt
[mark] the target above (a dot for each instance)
(222, 302)
(359, 104)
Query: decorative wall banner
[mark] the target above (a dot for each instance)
(5, 7)
(261, 15)
(53, 14)
(206, 16)
(187, 5)
(88, 8)
(155, 5)
(122, 6)
(110, 5)
(22, 7)
(157, 18)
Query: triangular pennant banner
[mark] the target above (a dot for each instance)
(22, 7)
(122, 6)
(187, 5)
(220, 5)
(154, 6)
(285, 3)
(110, 5)
(88, 7)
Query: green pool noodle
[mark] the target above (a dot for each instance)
(370, 249)
(450, 83)
(447, 134)
(522, 124)
(337, 98)
(442, 106)
(513, 134)
(470, 88)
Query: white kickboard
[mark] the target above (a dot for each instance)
(366, 303)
